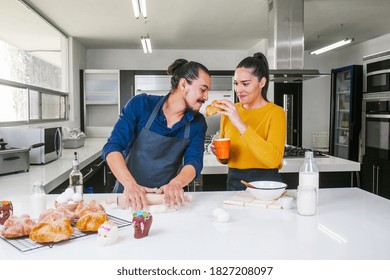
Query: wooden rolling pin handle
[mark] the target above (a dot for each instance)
(151, 198)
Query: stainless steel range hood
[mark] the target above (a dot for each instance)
(294, 75)
(286, 42)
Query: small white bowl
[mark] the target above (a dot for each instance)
(267, 190)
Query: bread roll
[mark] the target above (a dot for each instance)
(91, 221)
(17, 226)
(211, 109)
(84, 206)
(57, 214)
(53, 231)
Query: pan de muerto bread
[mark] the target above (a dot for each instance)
(57, 214)
(84, 206)
(17, 226)
(53, 231)
(91, 221)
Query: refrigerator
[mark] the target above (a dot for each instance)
(346, 111)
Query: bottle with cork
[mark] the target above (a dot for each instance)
(76, 177)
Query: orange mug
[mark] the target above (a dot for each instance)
(222, 147)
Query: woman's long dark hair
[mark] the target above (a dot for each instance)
(188, 70)
(259, 65)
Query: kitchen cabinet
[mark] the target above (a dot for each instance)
(100, 101)
(326, 179)
(375, 176)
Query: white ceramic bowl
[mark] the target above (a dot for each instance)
(267, 190)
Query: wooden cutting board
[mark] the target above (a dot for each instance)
(245, 198)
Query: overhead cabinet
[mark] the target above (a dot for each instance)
(100, 99)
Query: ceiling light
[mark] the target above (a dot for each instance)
(332, 46)
(139, 7)
(146, 45)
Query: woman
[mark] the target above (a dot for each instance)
(155, 135)
(255, 126)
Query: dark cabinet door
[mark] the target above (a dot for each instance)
(375, 176)
(368, 174)
(126, 78)
(289, 97)
(384, 178)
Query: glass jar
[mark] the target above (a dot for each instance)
(307, 200)
(38, 200)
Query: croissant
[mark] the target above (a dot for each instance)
(84, 206)
(17, 226)
(211, 109)
(53, 231)
(91, 221)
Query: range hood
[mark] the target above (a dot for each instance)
(285, 51)
(294, 75)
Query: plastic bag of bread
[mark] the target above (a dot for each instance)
(17, 226)
(52, 231)
(91, 221)
(85, 206)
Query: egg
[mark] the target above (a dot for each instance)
(221, 215)
(77, 197)
(62, 199)
(71, 202)
(69, 193)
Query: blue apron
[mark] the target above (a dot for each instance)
(155, 159)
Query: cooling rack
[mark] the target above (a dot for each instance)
(25, 244)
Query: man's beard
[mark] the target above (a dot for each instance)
(191, 109)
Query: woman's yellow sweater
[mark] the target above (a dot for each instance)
(262, 144)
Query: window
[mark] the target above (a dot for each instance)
(33, 68)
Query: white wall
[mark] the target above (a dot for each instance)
(161, 59)
(77, 61)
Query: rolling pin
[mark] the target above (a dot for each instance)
(151, 199)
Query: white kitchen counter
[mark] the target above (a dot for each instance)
(52, 174)
(350, 224)
(290, 165)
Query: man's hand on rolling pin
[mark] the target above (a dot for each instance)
(135, 196)
(173, 194)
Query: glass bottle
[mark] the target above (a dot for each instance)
(307, 200)
(38, 200)
(308, 173)
(76, 177)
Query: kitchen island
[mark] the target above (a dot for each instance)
(350, 224)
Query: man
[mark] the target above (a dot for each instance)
(154, 133)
